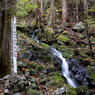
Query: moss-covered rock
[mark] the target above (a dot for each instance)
(84, 55)
(19, 86)
(40, 68)
(33, 92)
(91, 71)
(52, 69)
(85, 61)
(33, 86)
(44, 80)
(82, 90)
(70, 90)
(61, 39)
(32, 72)
(32, 65)
(56, 81)
(46, 46)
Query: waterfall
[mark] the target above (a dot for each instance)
(65, 68)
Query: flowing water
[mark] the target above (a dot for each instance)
(65, 68)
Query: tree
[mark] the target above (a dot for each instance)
(85, 7)
(7, 10)
(77, 9)
(64, 10)
(42, 8)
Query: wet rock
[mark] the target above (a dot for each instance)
(82, 90)
(80, 27)
(6, 91)
(33, 92)
(78, 77)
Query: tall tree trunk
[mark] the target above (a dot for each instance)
(7, 10)
(52, 12)
(77, 9)
(42, 8)
(64, 10)
(85, 7)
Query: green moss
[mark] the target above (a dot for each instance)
(46, 46)
(33, 92)
(49, 31)
(56, 74)
(52, 69)
(40, 68)
(58, 79)
(62, 38)
(70, 90)
(82, 90)
(32, 65)
(32, 72)
(85, 61)
(84, 55)
(91, 70)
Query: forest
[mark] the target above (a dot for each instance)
(47, 47)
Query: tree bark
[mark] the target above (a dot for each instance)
(64, 10)
(85, 7)
(42, 8)
(7, 9)
(77, 9)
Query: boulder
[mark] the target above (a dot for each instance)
(33, 86)
(19, 86)
(32, 72)
(82, 90)
(79, 27)
(33, 92)
(44, 80)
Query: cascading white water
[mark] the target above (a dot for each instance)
(65, 68)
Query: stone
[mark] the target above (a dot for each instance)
(44, 80)
(82, 90)
(19, 86)
(51, 84)
(6, 91)
(33, 92)
(7, 84)
(70, 90)
(32, 72)
(14, 78)
(61, 91)
(33, 80)
(17, 93)
(79, 27)
(33, 86)
(6, 77)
